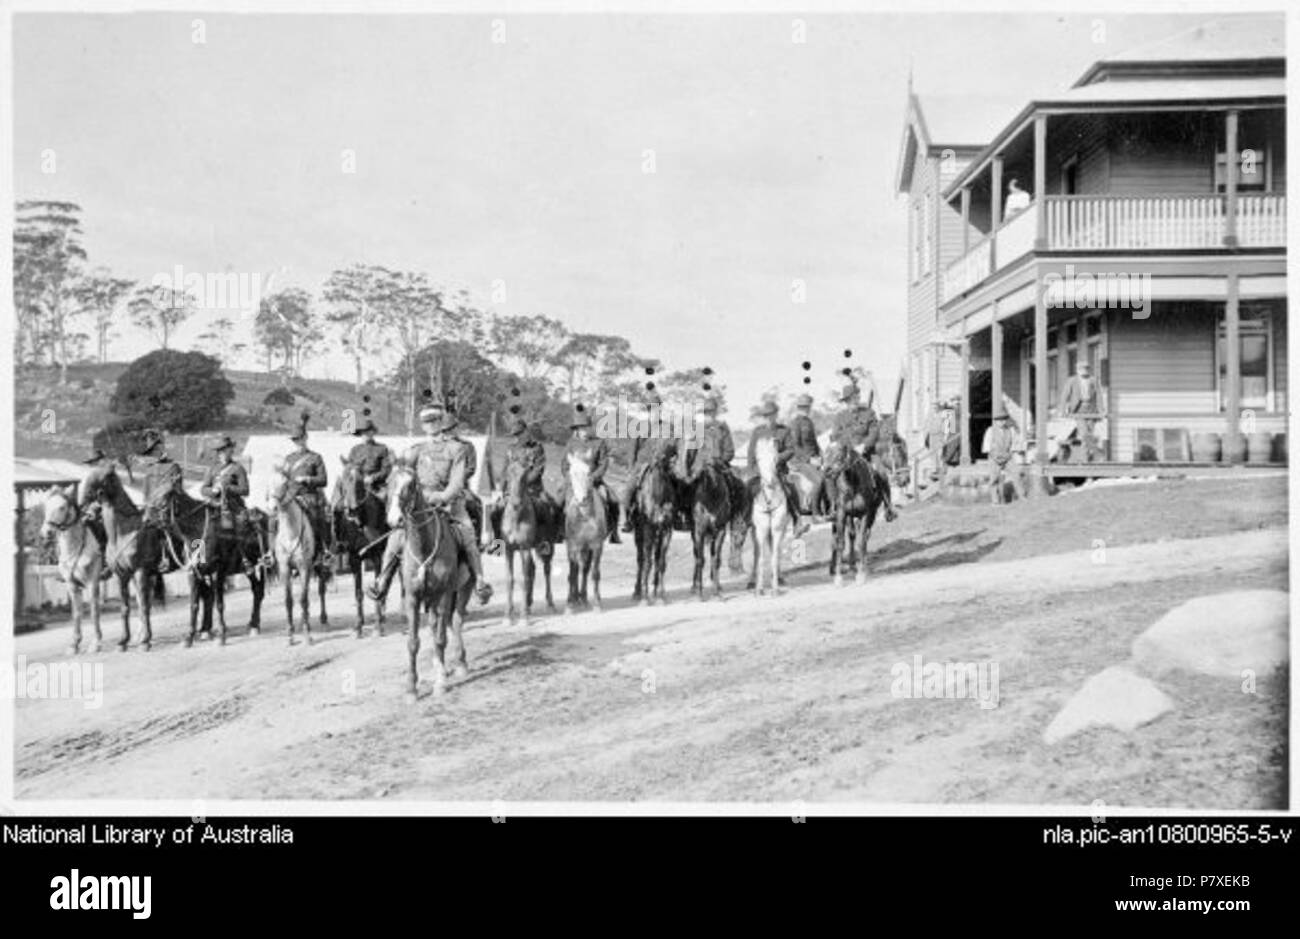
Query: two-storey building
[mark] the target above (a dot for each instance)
(1145, 233)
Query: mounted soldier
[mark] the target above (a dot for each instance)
(305, 470)
(806, 463)
(373, 460)
(783, 440)
(858, 427)
(88, 504)
(226, 484)
(593, 451)
(658, 443)
(526, 456)
(164, 478)
(716, 448)
(443, 464)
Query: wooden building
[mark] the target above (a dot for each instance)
(1150, 241)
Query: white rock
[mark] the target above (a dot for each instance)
(1117, 697)
(1221, 635)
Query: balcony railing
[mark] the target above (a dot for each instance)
(968, 270)
(1127, 223)
(1123, 223)
(1261, 220)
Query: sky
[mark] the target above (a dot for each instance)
(523, 163)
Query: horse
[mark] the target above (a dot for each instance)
(361, 529)
(525, 527)
(436, 577)
(742, 522)
(586, 526)
(770, 515)
(296, 550)
(221, 551)
(654, 507)
(857, 493)
(79, 560)
(711, 514)
(133, 549)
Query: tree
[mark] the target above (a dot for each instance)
(410, 313)
(529, 345)
(99, 295)
(48, 258)
(217, 338)
(286, 323)
(456, 372)
(597, 366)
(181, 391)
(160, 309)
(686, 387)
(351, 294)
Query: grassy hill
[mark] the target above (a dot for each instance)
(81, 407)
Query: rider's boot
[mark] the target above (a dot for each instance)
(616, 510)
(482, 589)
(379, 589)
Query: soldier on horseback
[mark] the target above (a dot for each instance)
(163, 481)
(715, 449)
(443, 465)
(305, 470)
(594, 451)
(226, 484)
(858, 428)
(373, 460)
(527, 456)
(784, 441)
(804, 433)
(88, 506)
(658, 444)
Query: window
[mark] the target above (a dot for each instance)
(1256, 358)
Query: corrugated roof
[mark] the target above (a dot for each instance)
(1226, 40)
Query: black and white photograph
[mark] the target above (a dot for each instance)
(590, 412)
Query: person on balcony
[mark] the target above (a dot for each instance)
(1080, 399)
(1017, 200)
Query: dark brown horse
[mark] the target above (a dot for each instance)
(711, 515)
(133, 550)
(528, 527)
(586, 525)
(857, 493)
(225, 549)
(654, 507)
(437, 579)
(360, 529)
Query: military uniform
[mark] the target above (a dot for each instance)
(716, 448)
(443, 465)
(594, 452)
(804, 434)
(228, 485)
(305, 470)
(783, 440)
(163, 479)
(858, 428)
(374, 462)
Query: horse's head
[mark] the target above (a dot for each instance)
(579, 478)
(514, 484)
(349, 490)
(765, 456)
(278, 490)
(403, 492)
(59, 510)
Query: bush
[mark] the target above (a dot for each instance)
(122, 438)
(278, 396)
(177, 391)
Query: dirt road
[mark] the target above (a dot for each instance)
(757, 700)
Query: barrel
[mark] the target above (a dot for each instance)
(1259, 447)
(1279, 448)
(1206, 448)
(1234, 452)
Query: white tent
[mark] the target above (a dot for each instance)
(263, 451)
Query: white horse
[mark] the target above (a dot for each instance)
(296, 550)
(80, 558)
(771, 516)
